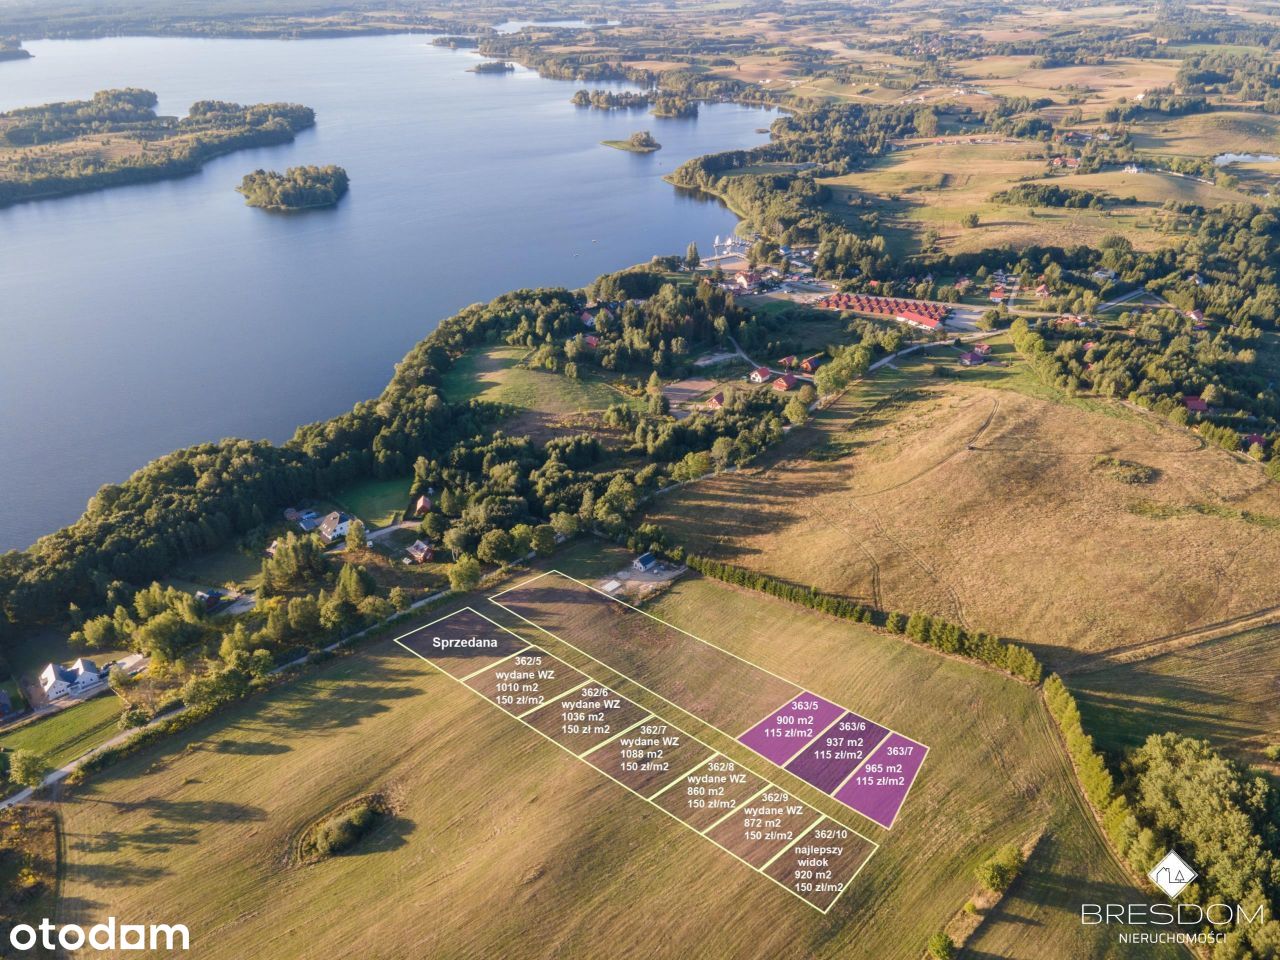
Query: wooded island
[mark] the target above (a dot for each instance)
(298, 188)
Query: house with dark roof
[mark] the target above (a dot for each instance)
(644, 563)
(420, 552)
(335, 526)
(716, 402)
(784, 383)
(810, 364)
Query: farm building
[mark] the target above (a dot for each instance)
(644, 563)
(420, 552)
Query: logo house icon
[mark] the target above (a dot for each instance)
(1172, 874)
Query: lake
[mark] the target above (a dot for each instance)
(142, 319)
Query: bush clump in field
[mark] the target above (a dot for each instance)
(1125, 471)
(342, 830)
(941, 946)
(999, 870)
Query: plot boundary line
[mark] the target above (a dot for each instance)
(688, 773)
(494, 664)
(875, 847)
(742, 806)
(890, 730)
(618, 735)
(803, 833)
(751, 663)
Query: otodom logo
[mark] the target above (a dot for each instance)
(1172, 874)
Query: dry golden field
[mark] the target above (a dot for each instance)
(985, 505)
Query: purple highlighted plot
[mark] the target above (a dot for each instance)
(779, 736)
(877, 790)
(831, 757)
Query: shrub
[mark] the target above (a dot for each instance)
(941, 946)
(999, 870)
(344, 829)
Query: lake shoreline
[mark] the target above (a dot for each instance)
(321, 307)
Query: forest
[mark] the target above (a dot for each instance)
(116, 138)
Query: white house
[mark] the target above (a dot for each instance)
(644, 563)
(59, 681)
(334, 526)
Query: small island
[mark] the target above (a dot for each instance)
(298, 188)
(640, 142)
(493, 66)
(13, 50)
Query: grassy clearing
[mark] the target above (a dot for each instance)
(1207, 134)
(376, 502)
(1039, 545)
(495, 374)
(934, 186)
(228, 565)
(1122, 78)
(65, 735)
(499, 838)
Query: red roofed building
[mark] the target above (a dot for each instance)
(982, 349)
(1195, 404)
(760, 374)
(716, 402)
(784, 383)
(591, 341)
(972, 359)
(788, 361)
(1254, 438)
(811, 364)
(919, 319)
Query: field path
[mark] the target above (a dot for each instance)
(1183, 640)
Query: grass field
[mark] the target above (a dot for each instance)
(68, 733)
(376, 502)
(495, 374)
(503, 845)
(228, 565)
(933, 186)
(1015, 76)
(1207, 134)
(1040, 543)
(1223, 690)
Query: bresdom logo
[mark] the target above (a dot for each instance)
(1172, 874)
